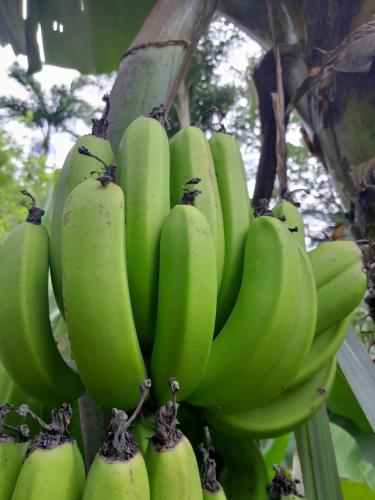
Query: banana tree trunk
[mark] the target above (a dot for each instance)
(159, 57)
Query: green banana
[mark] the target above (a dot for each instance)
(53, 467)
(262, 320)
(142, 432)
(191, 158)
(283, 414)
(96, 294)
(76, 169)
(292, 216)
(143, 157)
(170, 460)
(186, 309)
(322, 349)
(27, 347)
(292, 358)
(12, 454)
(237, 214)
(340, 281)
(246, 473)
(118, 471)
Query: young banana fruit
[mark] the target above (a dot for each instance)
(12, 453)
(191, 158)
(237, 215)
(292, 358)
(76, 169)
(262, 319)
(291, 215)
(341, 283)
(186, 309)
(53, 467)
(143, 157)
(283, 414)
(170, 460)
(245, 471)
(96, 294)
(27, 347)
(118, 471)
(323, 348)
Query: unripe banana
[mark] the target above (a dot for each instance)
(246, 476)
(292, 358)
(323, 347)
(281, 415)
(96, 294)
(237, 214)
(170, 460)
(118, 471)
(191, 158)
(27, 347)
(57, 473)
(186, 302)
(340, 281)
(261, 322)
(292, 217)
(143, 157)
(54, 467)
(173, 472)
(117, 480)
(12, 454)
(76, 169)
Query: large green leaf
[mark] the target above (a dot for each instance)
(88, 35)
(350, 462)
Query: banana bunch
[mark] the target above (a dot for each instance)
(159, 266)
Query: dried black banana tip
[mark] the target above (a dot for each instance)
(108, 173)
(35, 213)
(159, 113)
(189, 196)
(100, 126)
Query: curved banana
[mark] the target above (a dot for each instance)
(292, 217)
(122, 480)
(12, 455)
(27, 347)
(142, 432)
(143, 157)
(173, 472)
(323, 347)
(340, 281)
(96, 294)
(191, 158)
(235, 203)
(57, 473)
(292, 359)
(118, 471)
(170, 460)
(246, 473)
(261, 322)
(186, 302)
(54, 466)
(76, 169)
(283, 414)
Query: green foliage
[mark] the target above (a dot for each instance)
(17, 171)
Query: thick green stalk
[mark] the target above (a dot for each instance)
(317, 457)
(158, 59)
